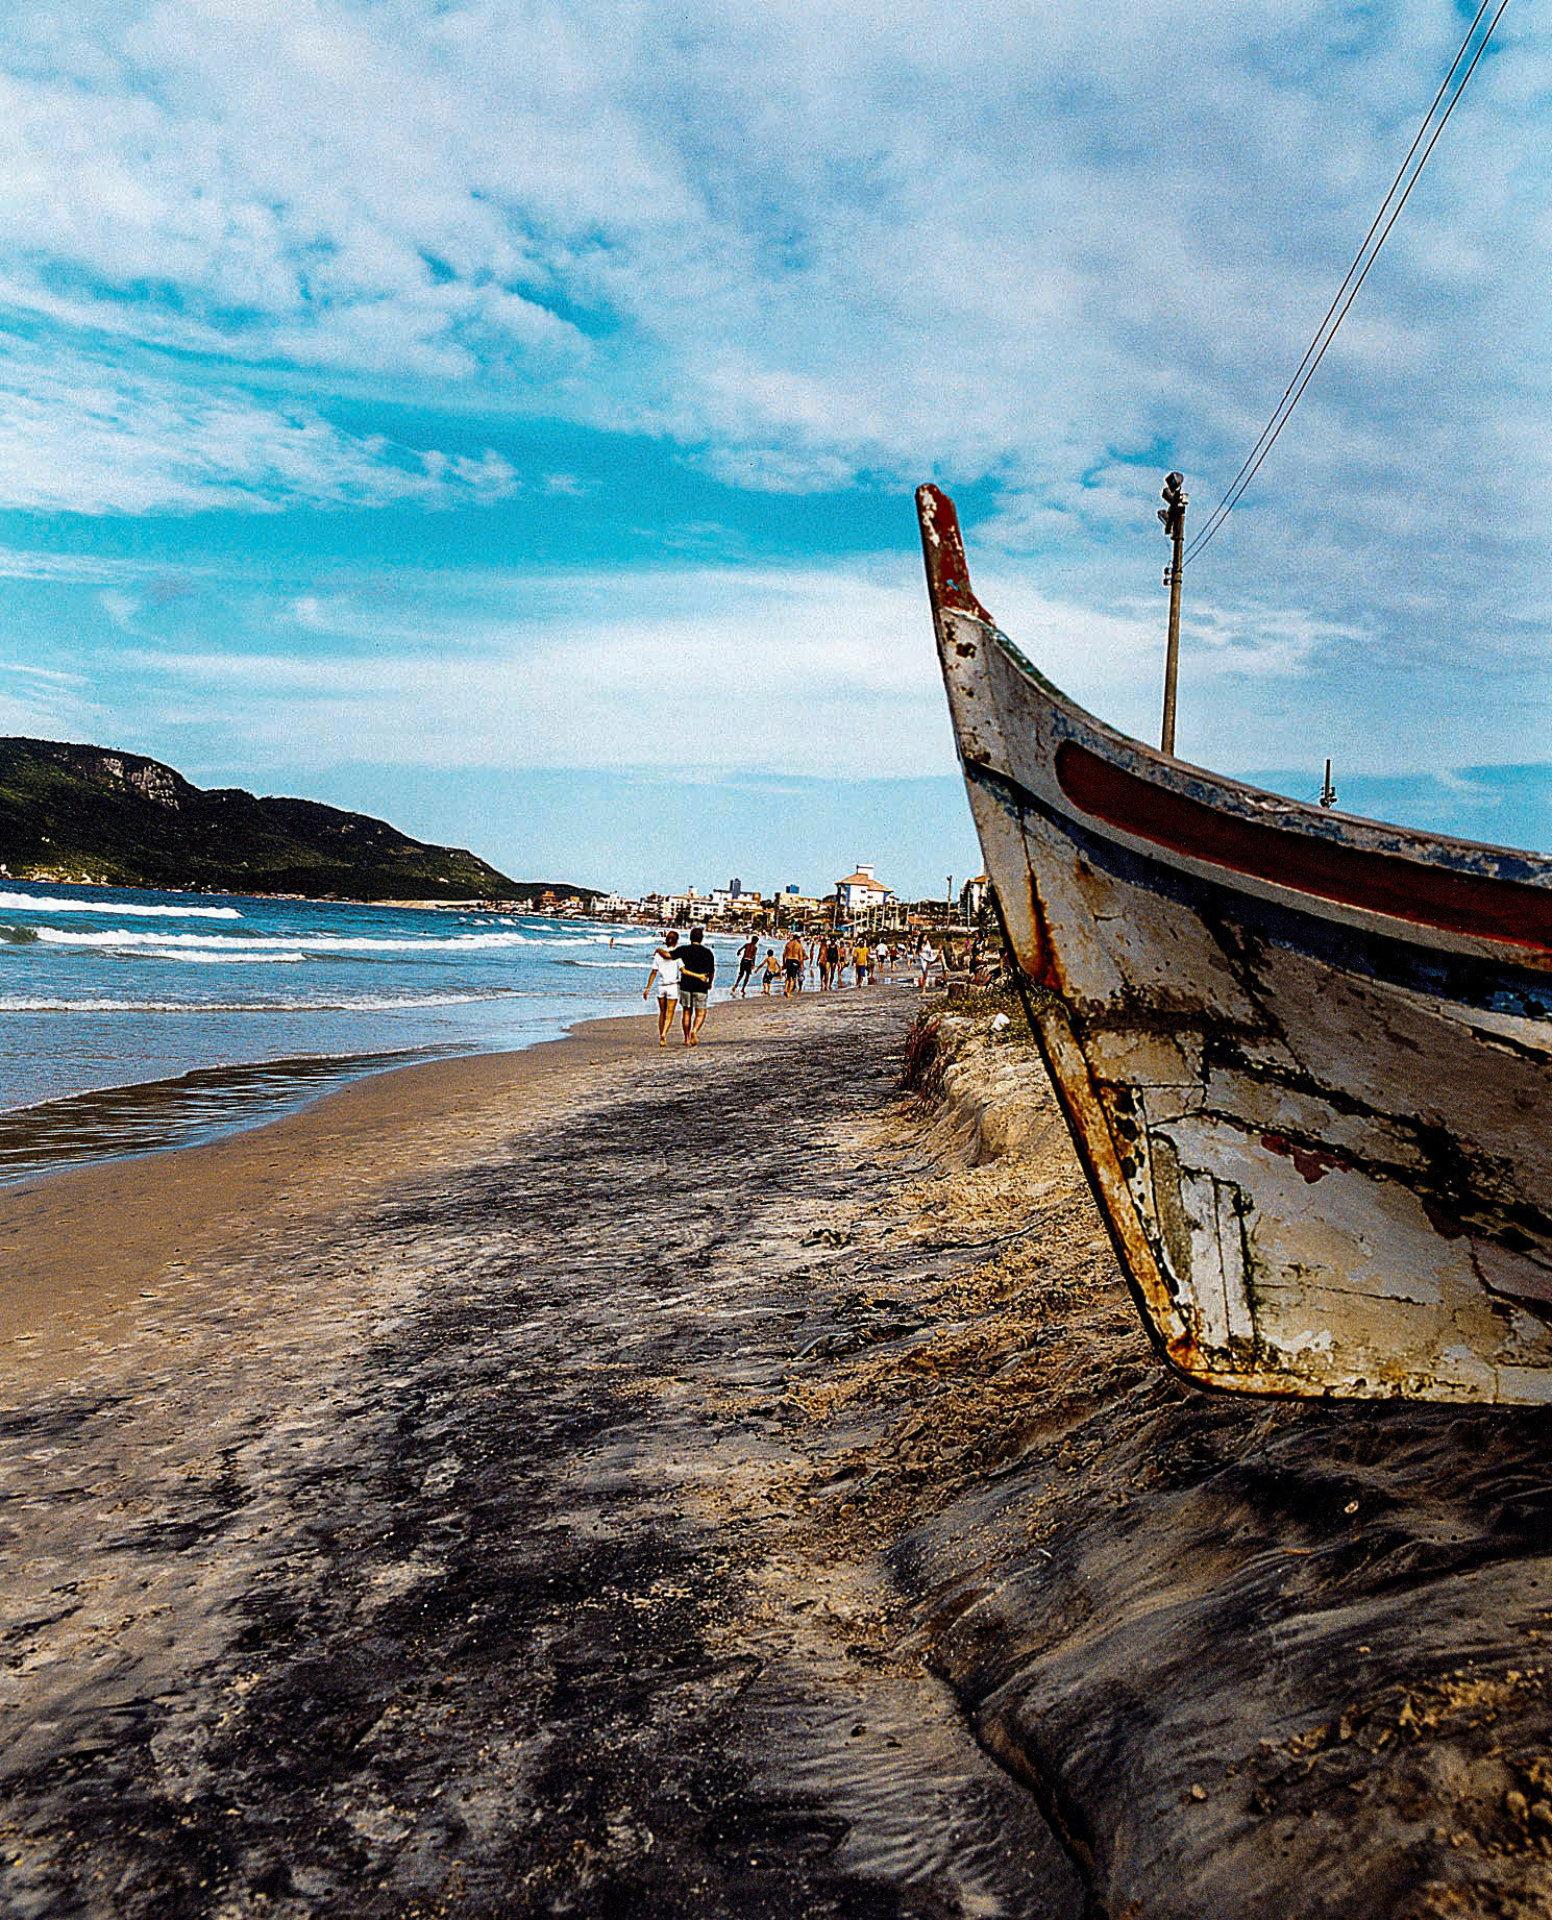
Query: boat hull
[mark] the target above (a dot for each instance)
(1306, 1059)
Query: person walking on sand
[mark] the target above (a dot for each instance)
(926, 965)
(792, 958)
(772, 969)
(665, 971)
(862, 959)
(697, 970)
(748, 953)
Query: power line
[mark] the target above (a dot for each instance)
(1327, 331)
(1221, 510)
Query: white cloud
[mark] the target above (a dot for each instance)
(82, 434)
(811, 237)
(819, 670)
(120, 607)
(39, 703)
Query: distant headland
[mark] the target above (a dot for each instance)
(89, 814)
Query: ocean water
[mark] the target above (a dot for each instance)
(132, 1020)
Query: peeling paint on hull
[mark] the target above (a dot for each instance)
(1306, 1058)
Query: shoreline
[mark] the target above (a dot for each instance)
(149, 1106)
(336, 1070)
(69, 1284)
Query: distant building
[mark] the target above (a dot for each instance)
(666, 907)
(794, 909)
(972, 899)
(860, 892)
(732, 899)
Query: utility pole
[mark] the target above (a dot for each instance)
(1173, 516)
(1327, 791)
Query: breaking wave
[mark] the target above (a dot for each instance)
(247, 944)
(339, 1003)
(134, 909)
(258, 957)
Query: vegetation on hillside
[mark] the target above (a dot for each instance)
(88, 813)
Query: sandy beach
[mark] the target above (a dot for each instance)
(598, 1481)
(401, 1498)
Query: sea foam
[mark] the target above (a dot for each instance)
(245, 944)
(338, 1003)
(133, 909)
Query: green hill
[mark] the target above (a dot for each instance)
(90, 813)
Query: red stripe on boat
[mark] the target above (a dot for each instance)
(1429, 896)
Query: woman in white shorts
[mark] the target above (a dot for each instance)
(665, 971)
(927, 958)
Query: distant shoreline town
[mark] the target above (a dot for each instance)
(860, 902)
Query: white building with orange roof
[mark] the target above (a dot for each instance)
(860, 892)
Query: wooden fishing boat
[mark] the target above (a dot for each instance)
(1306, 1058)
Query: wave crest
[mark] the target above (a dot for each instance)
(256, 942)
(347, 1003)
(131, 909)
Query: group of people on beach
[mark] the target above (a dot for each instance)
(683, 972)
(826, 960)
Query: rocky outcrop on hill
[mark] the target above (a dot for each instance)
(88, 813)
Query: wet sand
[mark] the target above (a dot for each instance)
(408, 1509)
(78, 1247)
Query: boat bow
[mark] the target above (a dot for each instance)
(1306, 1058)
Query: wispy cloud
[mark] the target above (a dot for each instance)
(81, 434)
(819, 670)
(120, 607)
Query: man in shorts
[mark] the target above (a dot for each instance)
(665, 971)
(792, 963)
(697, 970)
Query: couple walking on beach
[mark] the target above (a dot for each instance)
(684, 975)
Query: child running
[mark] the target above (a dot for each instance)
(748, 953)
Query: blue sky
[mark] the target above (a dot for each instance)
(503, 416)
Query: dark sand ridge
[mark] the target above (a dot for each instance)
(559, 1494)
(1255, 1657)
(418, 1546)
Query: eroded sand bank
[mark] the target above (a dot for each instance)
(600, 1482)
